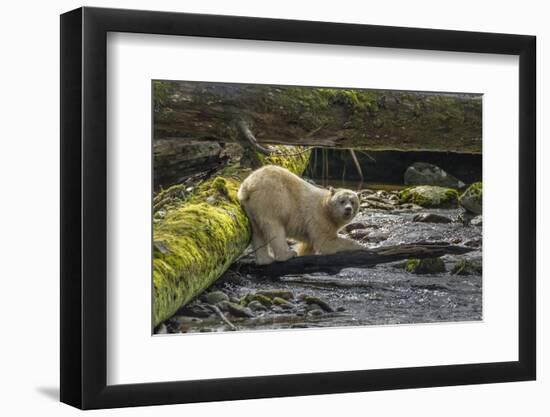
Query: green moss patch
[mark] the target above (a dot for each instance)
(430, 196)
(425, 266)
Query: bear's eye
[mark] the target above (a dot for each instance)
(342, 202)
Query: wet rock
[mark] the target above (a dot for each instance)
(262, 299)
(365, 192)
(408, 207)
(425, 266)
(311, 300)
(316, 312)
(358, 234)
(278, 310)
(256, 306)
(472, 198)
(161, 329)
(186, 320)
(239, 311)
(377, 237)
(216, 297)
(284, 304)
(195, 310)
(466, 217)
(422, 173)
(477, 221)
(430, 196)
(474, 243)
(286, 294)
(431, 218)
(468, 267)
(341, 309)
(354, 226)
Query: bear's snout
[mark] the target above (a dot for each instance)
(348, 210)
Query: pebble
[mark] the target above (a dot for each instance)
(216, 297)
(195, 310)
(477, 221)
(162, 329)
(281, 302)
(262, 299)
(256, 306)
(474, 243)
(239, 311)
(309, 299)
(315, 312)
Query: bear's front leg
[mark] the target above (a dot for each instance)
(338, 244)
(304, 249)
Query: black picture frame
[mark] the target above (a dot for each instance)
(84, 207)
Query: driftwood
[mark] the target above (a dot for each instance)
(333, 264)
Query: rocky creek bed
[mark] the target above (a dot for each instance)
(446, 289)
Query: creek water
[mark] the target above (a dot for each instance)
(379, 295)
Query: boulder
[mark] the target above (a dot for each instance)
(430, 196)
(422, 173)
(425, 266)
(472, 198)
(468, 267)
(431, 218)
(477, 221)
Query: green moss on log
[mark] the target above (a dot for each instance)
(197, 235)
(346, 118)
(195, 244)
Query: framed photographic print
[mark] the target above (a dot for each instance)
(257, 207)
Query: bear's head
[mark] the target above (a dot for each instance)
(343, 205)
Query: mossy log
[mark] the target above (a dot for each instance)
(330, 117)
(197, 235)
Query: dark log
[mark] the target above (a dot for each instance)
(175, 160)
(332, 264)
(330, 117)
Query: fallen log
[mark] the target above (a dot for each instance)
(175, 160)
(326, 117)
(198, 234)
(332, 264)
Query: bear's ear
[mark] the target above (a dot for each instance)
(331, 190)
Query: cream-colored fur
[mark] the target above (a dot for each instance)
(281, 205)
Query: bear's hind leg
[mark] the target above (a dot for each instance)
(276, 237)
(260, 246)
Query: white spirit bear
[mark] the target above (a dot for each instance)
(281, 205)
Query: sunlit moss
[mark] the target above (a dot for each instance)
(201, 232)
(429, 196)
